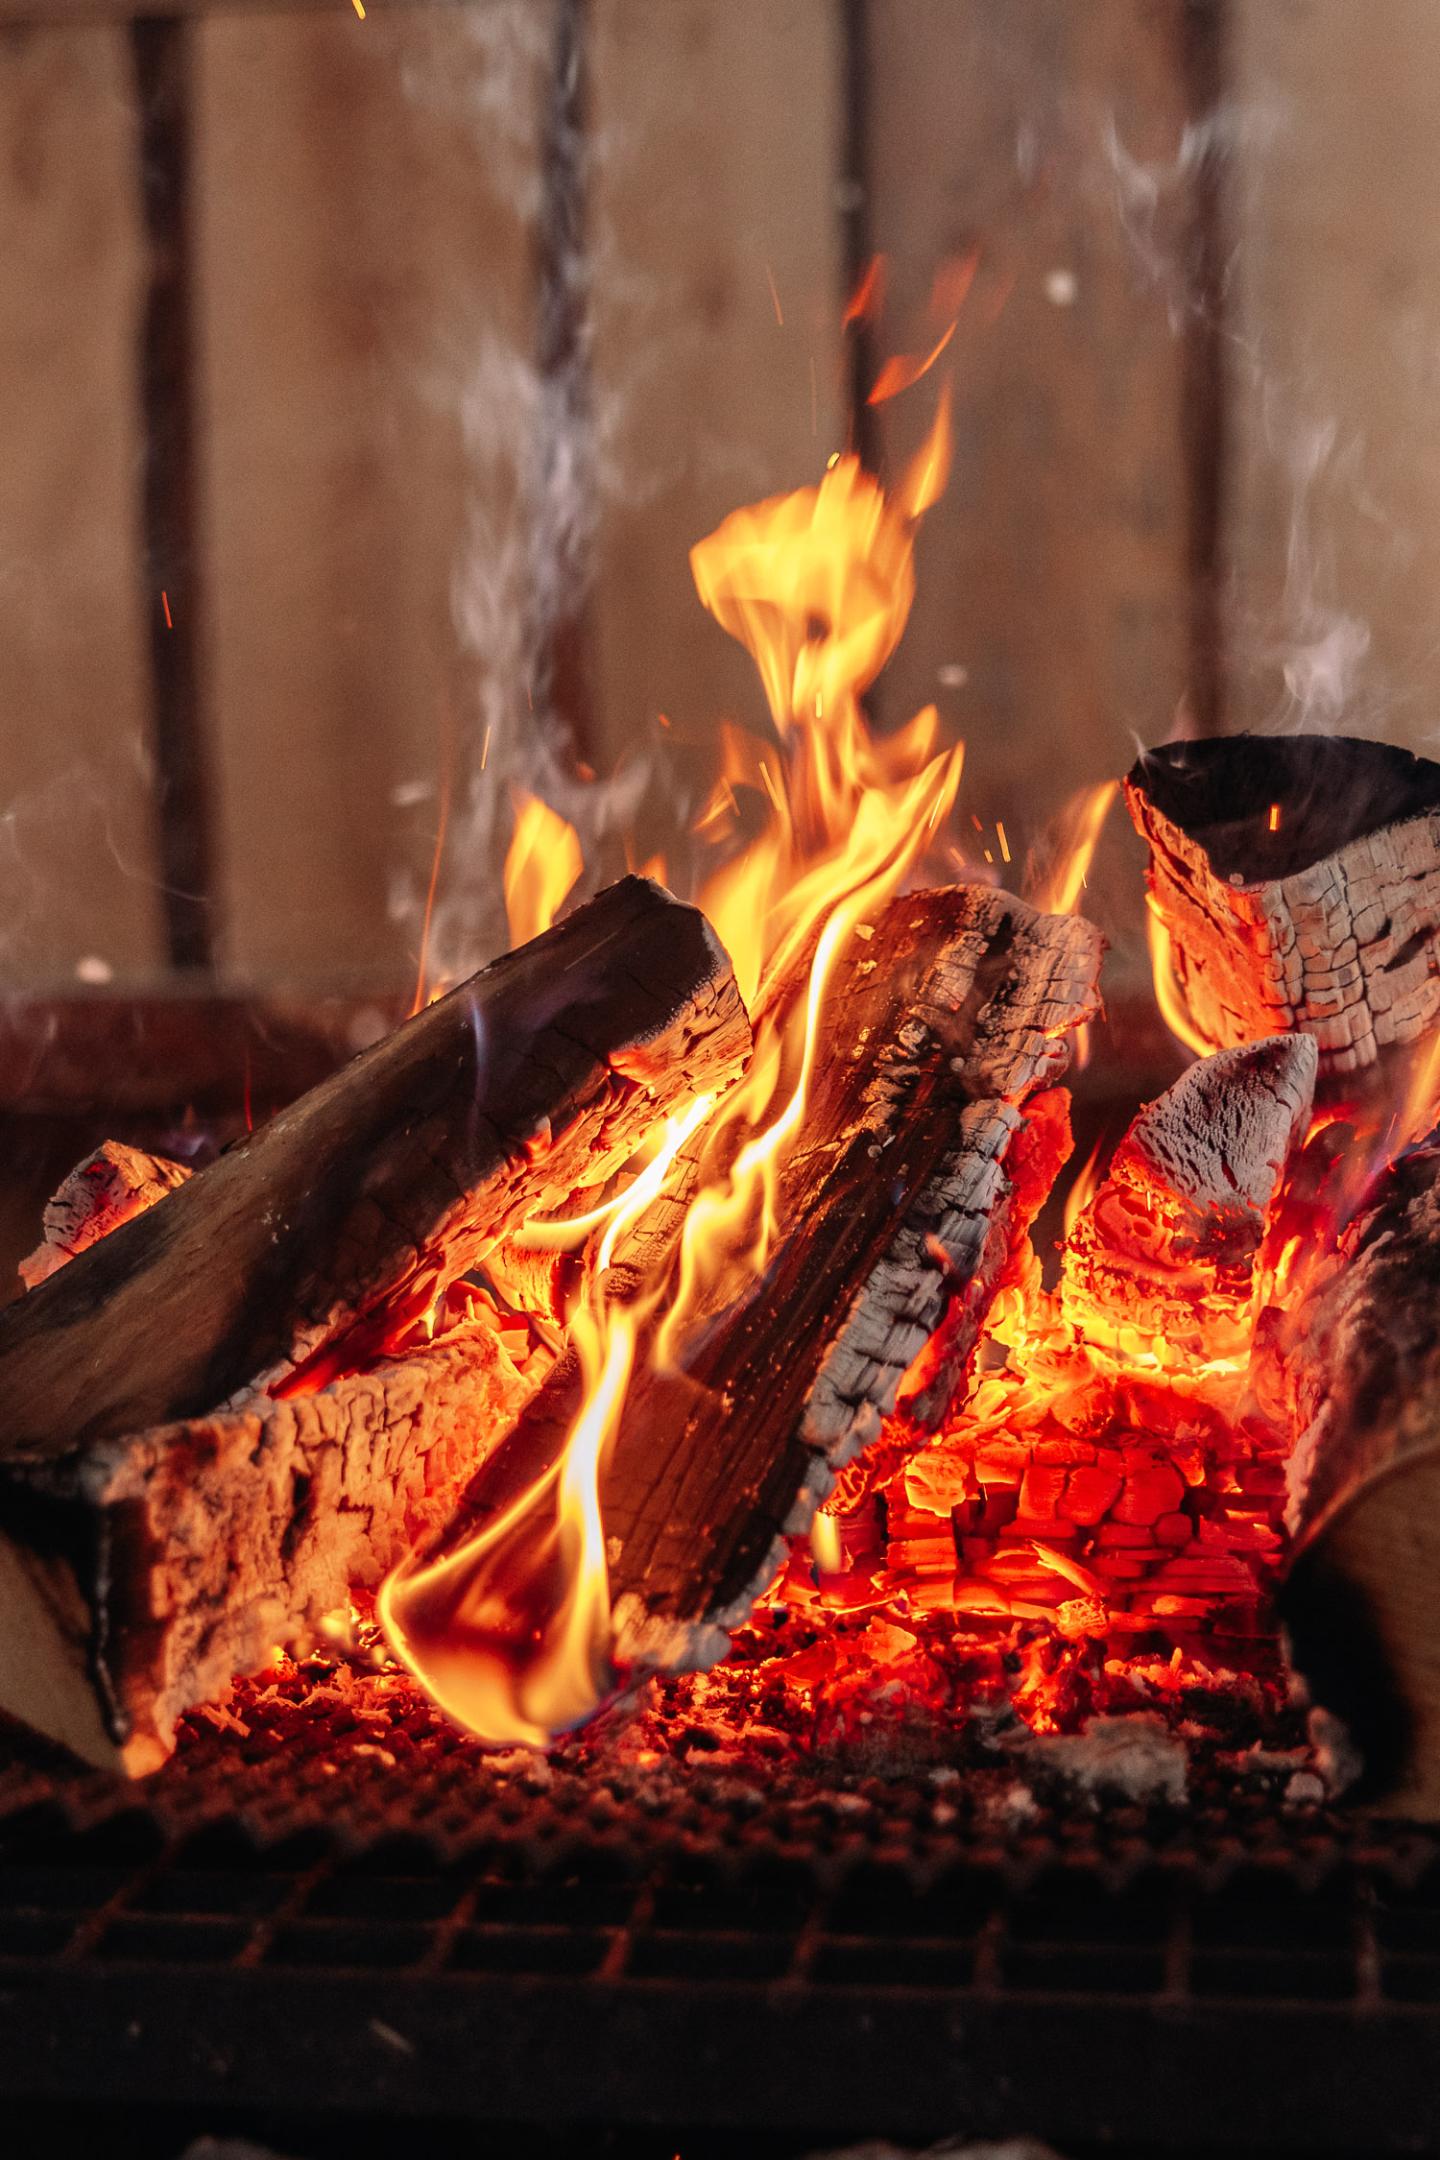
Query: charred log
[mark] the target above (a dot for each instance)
(1298, 880)
(364, 1198)
(897, 1216)
(1165, 1253)
(1362, 1363)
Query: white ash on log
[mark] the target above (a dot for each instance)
(535, 1278)
(109, 1188)
(1165, 1252)
(1361, 1602)
(140, 1576)
(897, 1215)
(1298, 880)
(205, 1417)
(535, 1079)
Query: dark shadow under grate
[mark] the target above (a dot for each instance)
(504, 1941)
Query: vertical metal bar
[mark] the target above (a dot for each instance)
(160, 51)
(564, 509)
(1204, 61)
(856, 232)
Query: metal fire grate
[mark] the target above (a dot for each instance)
(572, 1945)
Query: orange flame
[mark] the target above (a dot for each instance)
(1167, 991)
(1419, 1107)
(543, 863)
(1083, 1190)
(1083, 820)
(868, 293)
(903, 369)
(950, 287)
(511, 1633)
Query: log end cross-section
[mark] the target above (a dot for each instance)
(1298, 880)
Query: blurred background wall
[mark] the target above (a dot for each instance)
(364, 384)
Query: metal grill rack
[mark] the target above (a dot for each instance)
(1155, 1980)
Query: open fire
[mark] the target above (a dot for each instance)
(743, 1327)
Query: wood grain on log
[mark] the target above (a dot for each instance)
(1164, 1255)
(1298, 878)
(896, 1214)
(140, 1575)
(537, 1077)
(1362, 1599)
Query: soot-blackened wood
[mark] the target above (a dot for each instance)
(1165, 1253)
(137, 1579)
(538, 1076)
(896, 1215)
(1362, 1598)
(1298, 878)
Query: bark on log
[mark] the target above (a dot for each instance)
(1362, 1598)
(1165, 1253)
(896, 1219)
(1298, 878)
(534, 1079)
(139, 1577)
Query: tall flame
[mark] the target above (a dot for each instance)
(511, 1632)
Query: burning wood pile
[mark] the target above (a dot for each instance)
(679, 1265)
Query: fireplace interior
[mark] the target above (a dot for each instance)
(719, 1079)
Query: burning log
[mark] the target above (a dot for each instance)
(209, 1428)
(139, 1576)
(1362, 1363)
(897, 1213)
(364, 1198)
(1296, 883)
(1106, 1477)
(1163, 1258)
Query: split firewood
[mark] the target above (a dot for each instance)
(1362, 1363)
(140, 1575)
(208, 1423)
(535, 1079)
(109, 1188)
(1298, 881)
(896, 1217)
(1165, 1253)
